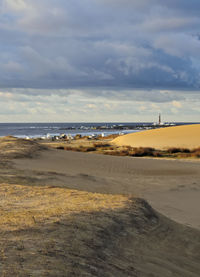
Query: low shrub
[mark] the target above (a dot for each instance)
(107, 149)
(113, 153)
(60, 147)
(99, 145)
(195, 150)
(157, 154)
(174, 150)
(88, 149)
(141, 152)
(80, 148)
(196, 153)
(184, 155)
(68, 148)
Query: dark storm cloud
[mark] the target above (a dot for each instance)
(100, 44)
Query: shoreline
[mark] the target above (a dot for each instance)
(38, 130)
(59, 135)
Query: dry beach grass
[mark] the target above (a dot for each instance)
(108, 148)
(49, 231)
(11, 147)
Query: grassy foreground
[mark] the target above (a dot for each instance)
(47, 231)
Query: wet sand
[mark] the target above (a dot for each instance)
(172, 187)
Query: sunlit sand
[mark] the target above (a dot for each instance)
(187, 136)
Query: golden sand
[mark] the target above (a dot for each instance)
(187, 136)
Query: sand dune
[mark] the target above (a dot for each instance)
(90, 234)
(11, 147)
(53, 224)
(187, 136)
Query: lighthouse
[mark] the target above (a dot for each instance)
(159, 119)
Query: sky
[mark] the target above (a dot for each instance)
(99, 60)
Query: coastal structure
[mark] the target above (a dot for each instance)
(159, 119)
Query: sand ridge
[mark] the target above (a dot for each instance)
(187, 136)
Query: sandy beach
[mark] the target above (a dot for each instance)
(65, 213)
(171, 186)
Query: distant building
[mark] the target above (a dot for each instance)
(159, 119)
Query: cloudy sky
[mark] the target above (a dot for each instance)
(99, 60)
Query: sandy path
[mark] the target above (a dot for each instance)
(171, 186)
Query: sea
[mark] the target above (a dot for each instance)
(42, 130)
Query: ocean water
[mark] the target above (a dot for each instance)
(34, 130)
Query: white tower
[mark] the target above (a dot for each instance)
(159, 119)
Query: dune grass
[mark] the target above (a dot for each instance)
(48, 231)
(11, 147)
(109, 149)
(24, 206)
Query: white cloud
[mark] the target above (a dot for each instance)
(91, 106)
(62, 105)
(16, 5)
(67, 55)
(176, 104)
